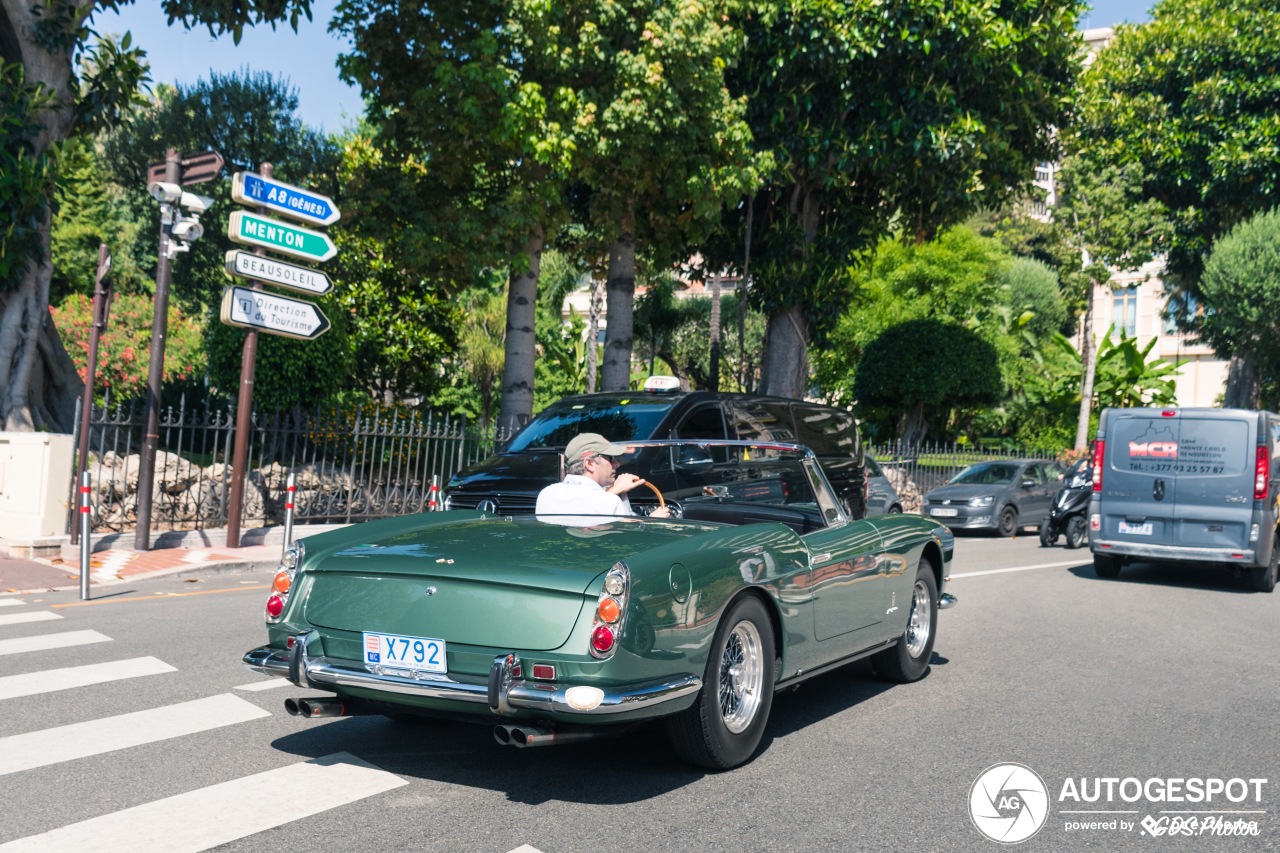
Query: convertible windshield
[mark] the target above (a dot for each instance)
(619, 418)
(987, 474)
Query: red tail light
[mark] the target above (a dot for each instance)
(1098, 448)
(282, 584)
(1261, 473)
(611, 611)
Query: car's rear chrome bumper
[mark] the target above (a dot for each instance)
(504, 694)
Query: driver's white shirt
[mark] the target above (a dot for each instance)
(579, 500)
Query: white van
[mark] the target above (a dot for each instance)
(1187, 485)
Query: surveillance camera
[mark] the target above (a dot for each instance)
(195, 204)
(163, 192)
(188, 230)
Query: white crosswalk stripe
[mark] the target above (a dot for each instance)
(264, 685)
(11, 602)
(44, 642)
(221, 813)
(93, 737)
(36, 616)
(50, 680)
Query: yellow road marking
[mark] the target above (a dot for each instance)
(256, 587)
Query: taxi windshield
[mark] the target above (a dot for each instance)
(616, 418)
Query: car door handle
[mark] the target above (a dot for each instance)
(1157, 490)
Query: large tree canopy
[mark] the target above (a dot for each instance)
(909, 113)
(1242, 281)
(43, 106)
(1192, 98)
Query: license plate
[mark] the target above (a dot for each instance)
(422, 654)
(1143, 529)
(945, 512)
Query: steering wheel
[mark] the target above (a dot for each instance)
(654, 489)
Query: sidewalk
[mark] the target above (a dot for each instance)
(113, 559)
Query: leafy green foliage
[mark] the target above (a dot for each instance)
(908, 113)
(124, 347)
(1128, 377)
(676, 332)
(1033, 287)
(27, 177)
(1190, 97)
(925, 369)
(1242, 281)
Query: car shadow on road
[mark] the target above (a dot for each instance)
(639, 763)
(1181, 575)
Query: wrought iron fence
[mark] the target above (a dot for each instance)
(349, 464)
(915, 471)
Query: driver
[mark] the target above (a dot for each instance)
(592, 485)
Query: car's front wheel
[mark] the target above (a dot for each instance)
(1008, 523)
(908, 659)
(723, 728)
(1077, 531)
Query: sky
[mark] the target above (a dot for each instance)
(307, 59)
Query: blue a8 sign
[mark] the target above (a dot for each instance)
(286, 199)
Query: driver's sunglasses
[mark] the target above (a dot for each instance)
(612, 460)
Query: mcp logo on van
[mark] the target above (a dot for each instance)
(1153, 449)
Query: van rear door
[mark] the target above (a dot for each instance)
(1178, 478)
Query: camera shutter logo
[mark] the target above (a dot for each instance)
(1009, 803)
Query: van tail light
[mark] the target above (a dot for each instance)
(1261, 473)
(1098, 447)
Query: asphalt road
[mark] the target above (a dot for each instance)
(1158, 675)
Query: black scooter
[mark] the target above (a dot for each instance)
(1070, 505)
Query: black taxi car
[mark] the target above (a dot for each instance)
(509, 481)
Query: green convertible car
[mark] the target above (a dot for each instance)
(553, 630)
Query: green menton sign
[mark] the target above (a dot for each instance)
(251, 229)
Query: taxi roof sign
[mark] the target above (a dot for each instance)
(661, 384)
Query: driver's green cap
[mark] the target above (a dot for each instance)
(589, 444)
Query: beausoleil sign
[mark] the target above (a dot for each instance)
(285, 199)
(262, 268)
(252, 229)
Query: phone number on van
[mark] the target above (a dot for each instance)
(1175, 468)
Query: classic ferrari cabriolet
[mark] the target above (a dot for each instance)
(554, 630)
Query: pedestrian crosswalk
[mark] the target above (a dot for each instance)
(185, 820)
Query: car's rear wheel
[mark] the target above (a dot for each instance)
(1105, 566)
(908, 659)
(1077, 531)
(1008, 523)
(1263, 578)
(723, 728)
(1047, 536)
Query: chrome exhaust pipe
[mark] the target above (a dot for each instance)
(529, 736)
(318, 706)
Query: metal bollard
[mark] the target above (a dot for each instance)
(289, 492)
(433, 497)
(86, 516)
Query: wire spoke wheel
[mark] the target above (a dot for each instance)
(741, 677)
(920, 624)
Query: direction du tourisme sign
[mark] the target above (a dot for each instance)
(267, 312)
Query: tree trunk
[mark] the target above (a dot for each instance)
(520, 346)
(38, 382)
(1089, 366)
(785, 372)
(593, 333)
(914, 428)
(619, 308)
(1243, 387)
